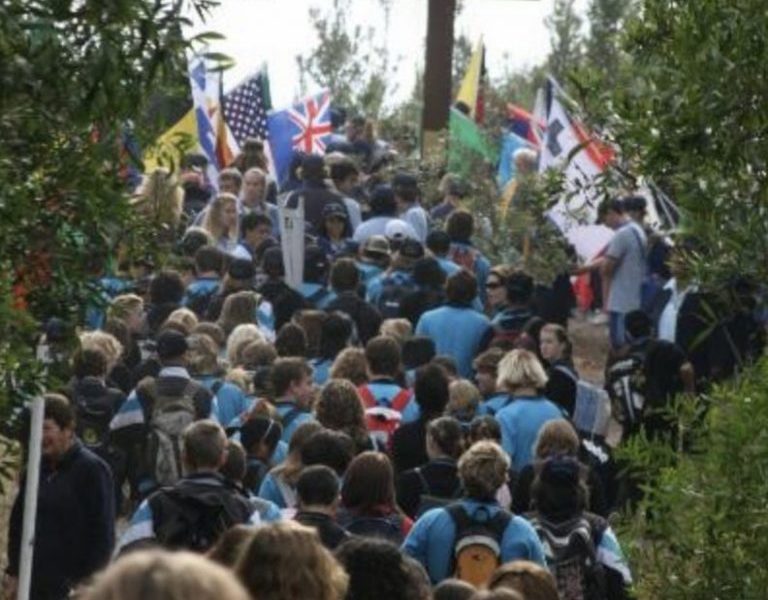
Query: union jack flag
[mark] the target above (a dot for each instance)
(303, 127)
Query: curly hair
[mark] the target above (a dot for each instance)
(339, 408)
(287, 560)
(351, 365)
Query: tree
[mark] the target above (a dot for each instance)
(565, 38)
(349, 61)
(72, 75)
(603, 45)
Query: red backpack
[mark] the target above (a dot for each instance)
(381, 420)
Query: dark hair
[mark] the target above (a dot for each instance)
(382, 201)
(369, 483)
(209, 258)
(233, 175)
(378, 570)
(438, 242)
(447, 364)
(428, 272)
(484, 428)
(418, 351)
(561, 335)
(431, 389)
(59, 410)
(461, 287)
(559, 487)
(453, 589)
(166, 287)
(611, 204)
(344, 275)
(253, 220)
(335, 334)
(448, 436)
(343, 169)
(460, 225)
(315, 264)
(258, 430)
(89, 362)
(318, 485)
(227, 549)
(234, 466)
(638, 324)
(286, 371)
(192, 241)
(519, 287)
(383, 355)
(291, 340)
(333, 449)
(272, 262)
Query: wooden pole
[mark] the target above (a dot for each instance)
(437, 77)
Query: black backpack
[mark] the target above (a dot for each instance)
(428, 500)
(625, 384)
(93, 418)
(477, 545)
(570, 548)
(393, 290)
(192, 516)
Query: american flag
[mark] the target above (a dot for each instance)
(246, 106)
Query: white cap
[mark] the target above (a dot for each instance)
(399, 229)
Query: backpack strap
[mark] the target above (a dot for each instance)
(423, 480)
(567, 372)
(401, 400)
(217, 385)
(366, 395)
(292, 414)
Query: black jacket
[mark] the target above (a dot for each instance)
(284, 299)
(442, 481)
(331, 533)
(409, 445)
(561, 385)
(316, 197)
(75, 530)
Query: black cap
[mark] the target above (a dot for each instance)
(241, 268)
(171, 344)
(334, 209)
(411, 249)
(404, 180)
(635, 204)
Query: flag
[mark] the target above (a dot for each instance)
(524, 125)
(569, 147)
(246, 106)
(471, 90)
(212, 131)
(166, 148)
(466, 140)
(304, 127)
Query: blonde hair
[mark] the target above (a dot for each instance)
(463, 398)
(286, 560)
(184, 317)
(528, 578)
(556, 437)
(203, 355)
(400, 329)
(161, 198)
(160, 574)
(238, 340)
(483, 469)
(241, 378)
(520, 369)
(238, 308)
(213, 222)
(123, 305)
(103, 342)
(351, 365)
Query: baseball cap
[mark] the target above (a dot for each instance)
(397, 229)
(334, 209)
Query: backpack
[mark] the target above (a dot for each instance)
(194, 517)
(388, 528)
(382, 420)
(464, 256)
(625, 383)
(570, 548)
(592, 410)
(428, 500)
(170, 416)
(477, 546)
(93, 418)
(393, 290)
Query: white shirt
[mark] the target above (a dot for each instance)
(668, 317)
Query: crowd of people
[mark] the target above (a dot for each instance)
(406, 423)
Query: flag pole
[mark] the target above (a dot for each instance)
(30, 498)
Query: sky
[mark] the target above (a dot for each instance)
(276, 31)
